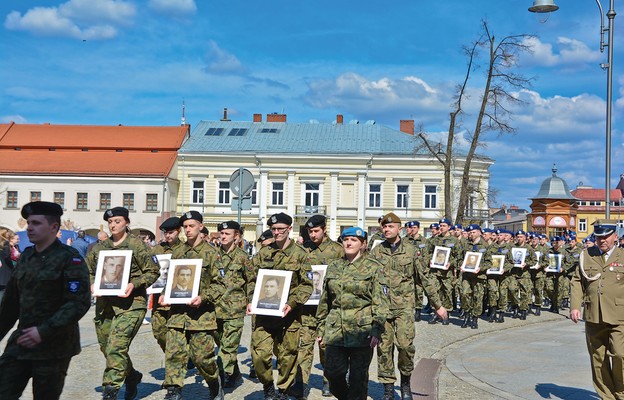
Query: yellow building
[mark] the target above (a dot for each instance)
(591, 206)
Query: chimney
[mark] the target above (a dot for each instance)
(407, 126)
(275, 117)
(257, 118)
(339, 119)
(225, 116)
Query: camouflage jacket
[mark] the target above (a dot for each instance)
(352, 306)
(48, 290)
(567, 261)
(378, 235)
(200, 318)
(574, 253)
(144, 270)
(529, 261)
(420, 242)
(486, 258)
(232, 276)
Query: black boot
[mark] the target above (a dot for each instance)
(174, 393)
(445, 321)
(461, 313)
(435, 319)
(523, 314)
(325, 391)
(554, 309)
(417, 315)
(406, 389)
(132, 381)
(216, 391)
(492, 316)
(500, 317)
(466, 321)
(388, 391)
(269, 391)
(538, 311)
(110, 393)
(515, 314)
(474, 324)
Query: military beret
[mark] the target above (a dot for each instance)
(435, 225)
(354, 231)
(265, 235)
(204, 230)
(520, 232)
(590, 238)
(412, 223)
(390, 218)
(473, 227)
(280, 218)
(191, 215)
(445, 221)
(116, 212)
(604, 227)
(228, 225)
(487, 230)
(457, 226)
(555, 239)
(41, 208)
(315, 220)
(170, 224)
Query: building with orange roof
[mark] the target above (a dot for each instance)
(591, 206)
(88, 169)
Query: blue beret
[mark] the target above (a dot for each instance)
(445, 221)
(520, 232)
(354, 231)
(41, 208)
(457, 226)
(116, 212)
(434, 226)
(412, 223)
(473, 227)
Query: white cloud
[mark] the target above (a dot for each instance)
(572, 53)
(175, 8)
(18, 119)
(219, 61)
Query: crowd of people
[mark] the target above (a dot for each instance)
(370, 295)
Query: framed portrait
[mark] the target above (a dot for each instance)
(554, 263)
(112, 272)
(519, 255)
(440, 257)
(161, 282)
(376, 243)
(271, 292)
(498, 262)
(472, 261)
(183, 278)
(538, 255)
(317, 276)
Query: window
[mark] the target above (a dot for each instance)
(224, 193)
(582, 225)
(402, 196)
(254, 194)
(128, 201)
(277, 193)
(59, 198)
(595, 203)
(237, 132)
(35, 196)
(82, 201)
(269, 130)
(105, 201)
(374, 195)
(11, 199)
(151, 202)
(198, 192)
(431, 196)
(312, 193)
(214, 132)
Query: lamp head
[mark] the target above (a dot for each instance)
(543, 6)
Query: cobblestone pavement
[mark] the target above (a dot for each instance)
(432, 341)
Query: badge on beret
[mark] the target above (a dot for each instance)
(451, 244)
(73, 286)
(274, 219)
(310, 224)
(109, 213)
(482, 251)
(505, 251)
(221, 272)
(309, 275)
(189, 215)
(422, 245)
(224, 225)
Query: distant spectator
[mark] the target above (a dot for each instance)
(13, 243)
(101, 236)
(81, 244)
(5, 258)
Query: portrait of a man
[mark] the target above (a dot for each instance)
(440, 257)
(183, 282)
(317, 285)
(162, 279)
(270, 294)
(112, 272)
(471, 262)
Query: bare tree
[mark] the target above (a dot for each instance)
(494, 113)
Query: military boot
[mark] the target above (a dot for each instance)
(388, 391)
(500, 317)
(435, 319)
(406, 389)
(474, 322)
(174, 393)
(417, 315)
(110, 393)
(516, 312)
(492, 315)
(132, 381)
(466, 321)
(269, 391)
(523, 314)
(216, 391)
(538, 311)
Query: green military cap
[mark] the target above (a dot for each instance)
(390, 218)
(41, 208)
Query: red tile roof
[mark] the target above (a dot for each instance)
(596, 194)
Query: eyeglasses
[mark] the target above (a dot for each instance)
(279, 230)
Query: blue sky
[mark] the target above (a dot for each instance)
(133, 62)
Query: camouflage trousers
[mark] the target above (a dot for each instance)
(228, 337)
(199, 346)
(552, 287)
(418, 286)
(472, 293)
(48, 377)
(494, 283)
(521, 287)
(115, 333)
(564, 286)
(356, 360)
(399, 333)
(504, 290)
(538, 281)
(159, 324)
(305, 357)
(444, 285)
(281, 341)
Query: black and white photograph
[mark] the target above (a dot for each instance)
(538, 255)
(317, 275)
(472, 261)
(161, 282)
(271, 292)
(519, 255)
(554, 263)
(441, 257)
(498, 263)
(112, 272)
(183, 278)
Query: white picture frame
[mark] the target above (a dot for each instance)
(376, 243)
(498, 265)
(318, 272)
(183, 280)
(472, 262)
(112, 272)
(270, 300)
(440, 258)
(554, 263)
(160, 284)
(538, 255)
(518, 254)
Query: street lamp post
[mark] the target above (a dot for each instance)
(543, 6)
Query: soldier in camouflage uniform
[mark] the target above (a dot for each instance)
(279, 334)
(378, 235)
(538, 275)
(231, 306)
(118, 318)
(351, 314)
(474, 282)
(171, 231)
(47, 293)
(321, 250)
(574, 250)
(522, 288)
(497, 284)
(554, 280)
(191, 327)
(419, 241)
(400, 267)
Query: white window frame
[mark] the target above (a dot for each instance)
(402, 197)
(311, 195)
(582, 224)
(376, 194)
(277, 195)
(197, 192)
(223, 193)
(430, 197)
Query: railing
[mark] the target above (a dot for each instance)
(310, 210)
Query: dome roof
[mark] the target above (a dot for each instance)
(554, 188)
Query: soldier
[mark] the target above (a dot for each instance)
(118, 319)
(553, 280)
(351, 289)
(599, 285)
(48, 293)
(444, 279)
(377, 235)
(574, 249)
(191, 327)
(474, 283)
(497, 284)
(321, 250)
(521, 285)
(419, 241)
(170, 232)
(279, 333)
(231, 307)
(400, 267)
(538, 276)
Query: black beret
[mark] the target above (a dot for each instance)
(204, 230)
(315, 220)
(265, 235)
(280, 218)
(116, 212)
(228, 225)
(191, 215)
(170, 224)
(41, 208)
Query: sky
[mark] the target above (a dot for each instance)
(134, 62)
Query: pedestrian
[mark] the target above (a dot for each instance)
(598, 284)
(118, 318)
(81, 244)
(48, 294)
(351, 317)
